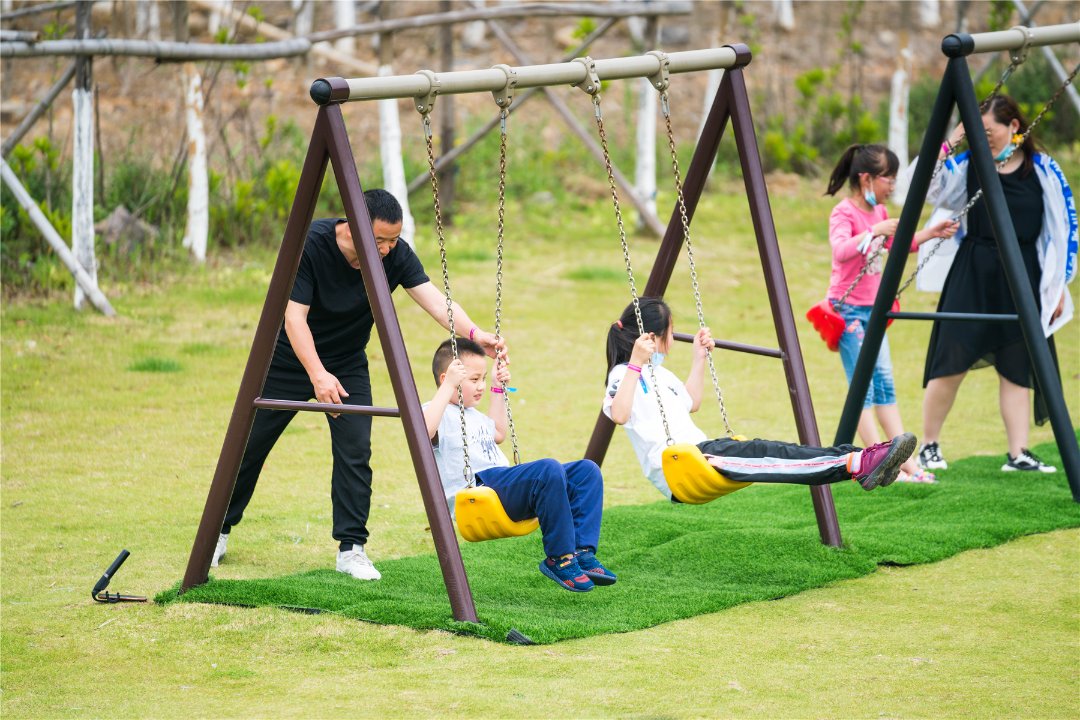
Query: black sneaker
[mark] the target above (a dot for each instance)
(1026, 462)
(930, 457)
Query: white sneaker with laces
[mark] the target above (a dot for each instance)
(930, 457)
(1026, 461)
(355, 562)
(219, 550)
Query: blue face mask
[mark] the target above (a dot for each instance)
(657, 359)
(870, 198)
(1005, 154)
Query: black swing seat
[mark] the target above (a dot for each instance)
(692, 479)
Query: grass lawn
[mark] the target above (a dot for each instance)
(111, 430)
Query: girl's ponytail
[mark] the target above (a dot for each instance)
(842, 170)
(623, 333)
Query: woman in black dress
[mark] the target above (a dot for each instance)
(1038, 201)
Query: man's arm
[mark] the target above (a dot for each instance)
(431, 299)
(327, 387)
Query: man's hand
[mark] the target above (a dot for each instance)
(328, 389)
(493, 345)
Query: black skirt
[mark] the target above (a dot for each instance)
(977, 284)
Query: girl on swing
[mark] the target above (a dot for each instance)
(630, 401)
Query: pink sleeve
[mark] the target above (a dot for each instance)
(845, 233)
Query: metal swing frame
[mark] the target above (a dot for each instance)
(957, 90)
(330, 144)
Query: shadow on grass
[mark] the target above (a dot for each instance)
(678, 561)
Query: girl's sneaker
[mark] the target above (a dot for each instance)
(1027, 462)
(930, 457)
(566, 573)
(596, 572)
(880, 463)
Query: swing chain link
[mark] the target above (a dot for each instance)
(470, 481)
(499, 275)
(625, 245)
(665, 106)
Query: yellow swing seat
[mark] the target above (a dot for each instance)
(480, 516)
(692, 479)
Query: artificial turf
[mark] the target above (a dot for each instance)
(677, 561)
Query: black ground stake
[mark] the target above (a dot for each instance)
(106, 597)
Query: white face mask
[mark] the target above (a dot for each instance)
(657, 359)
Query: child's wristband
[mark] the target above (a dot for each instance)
(635, 368)
(497, 390)
(946, 148)
(472, 334)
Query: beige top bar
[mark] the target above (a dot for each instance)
(1012, 39)
(419, 85)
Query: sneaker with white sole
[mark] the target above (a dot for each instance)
(355, 562)
(930, 457)
(1026, 461)
(219, 549)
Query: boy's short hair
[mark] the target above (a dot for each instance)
(445, 355)
(381, 205)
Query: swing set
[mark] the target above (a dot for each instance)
(479, 514)
(957, 90)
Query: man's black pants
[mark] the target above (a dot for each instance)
(350, 440)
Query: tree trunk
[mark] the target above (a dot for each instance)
(305, 17)
(645, 150)
(217, 18)
(197, 230)
(929, 13)
(82, 160)
(345, 16)
(147, 20)
(446, 122)
(393, 167)
(785, 14)
(898, 120)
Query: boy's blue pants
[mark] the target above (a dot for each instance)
(567, 499)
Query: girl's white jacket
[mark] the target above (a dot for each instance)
(1057, 243)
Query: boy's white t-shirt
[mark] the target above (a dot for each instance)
(646, 427)
(484, 452)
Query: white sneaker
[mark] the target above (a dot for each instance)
(930, 457)
(1026, 461)
(355, 562)
(219, 550)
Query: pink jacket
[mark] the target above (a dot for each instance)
(848, 227)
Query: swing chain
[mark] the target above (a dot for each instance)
(499, 274)
(593, 89)
(470, 481)
(665, 106)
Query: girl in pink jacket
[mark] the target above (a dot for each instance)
(860, 231)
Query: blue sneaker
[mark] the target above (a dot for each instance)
(596, 572)
(566, 573)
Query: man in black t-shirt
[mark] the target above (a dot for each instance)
(320, 354)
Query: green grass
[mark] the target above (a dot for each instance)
(679, 561)
(96, 458)
(154, 364)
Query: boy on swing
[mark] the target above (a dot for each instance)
(567, 499)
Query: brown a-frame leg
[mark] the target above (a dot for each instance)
(330, 141)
